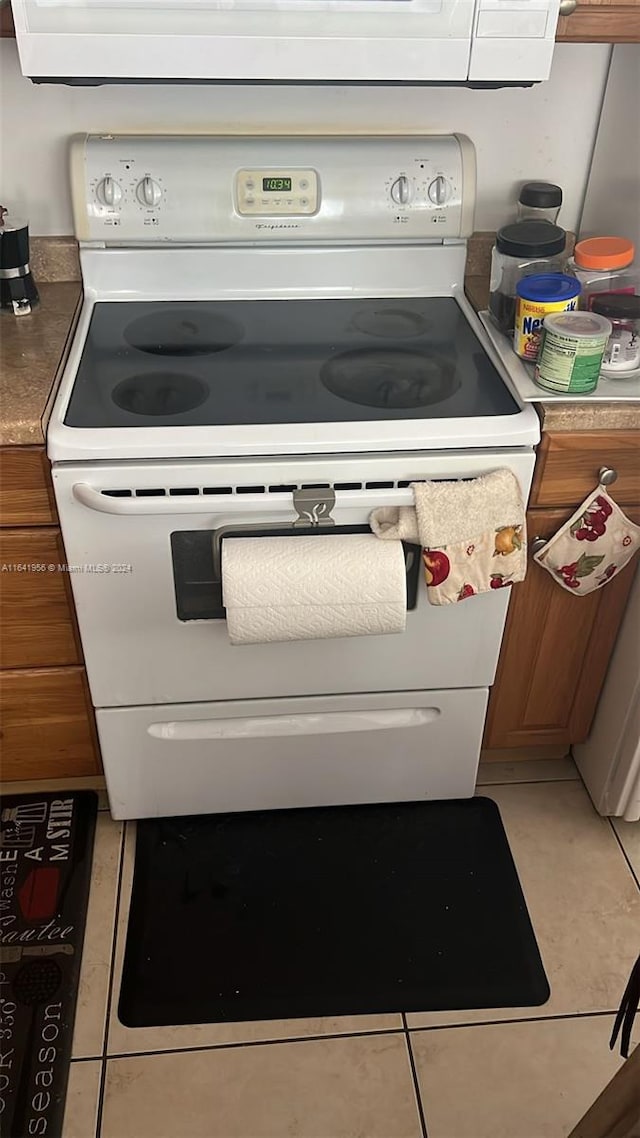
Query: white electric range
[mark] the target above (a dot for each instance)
(273, 330)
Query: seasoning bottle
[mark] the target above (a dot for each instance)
(604, 265)
(18, 292)
(539, 201)
(521, 249)
(622, 353)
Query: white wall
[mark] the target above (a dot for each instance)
(612, 204)
(542, 132)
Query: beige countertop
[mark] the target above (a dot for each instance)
(31, 348)
(567, 416)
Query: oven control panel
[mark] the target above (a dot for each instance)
(135, 190)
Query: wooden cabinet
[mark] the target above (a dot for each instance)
(556, 647)
(47, 724)
(47, 728)
(601, 21)
(26, 493)
(35, 602)
(569, 463)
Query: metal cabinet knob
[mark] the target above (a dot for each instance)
(607, 475)
(567, 7)
(537, 543)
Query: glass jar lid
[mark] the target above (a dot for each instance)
(531, 239)
(540, 195)
(602, 253)
(617, 306)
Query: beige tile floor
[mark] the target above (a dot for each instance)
(503, 1073)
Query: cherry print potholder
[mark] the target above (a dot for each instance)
(592, 547)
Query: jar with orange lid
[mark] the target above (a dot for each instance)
(604, 265)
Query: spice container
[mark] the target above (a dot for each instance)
(536, 297)
(571, 352)
(521, 249)
(622, 353)
(539, 201)
(604, 265)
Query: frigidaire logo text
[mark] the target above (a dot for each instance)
(277, 225)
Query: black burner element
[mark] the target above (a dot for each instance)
(159, 393)
(390, 323)
(183, 332)
(390, 377)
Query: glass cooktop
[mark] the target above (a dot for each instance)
(225, 363)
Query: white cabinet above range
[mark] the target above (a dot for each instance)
(204, 189)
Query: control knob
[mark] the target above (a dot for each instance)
(148, 192)
(401, 190)
(109, 192)
(439, 190)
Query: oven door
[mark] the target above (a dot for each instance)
(89, 41)
(139, 541)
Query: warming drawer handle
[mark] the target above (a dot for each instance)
(280, 726)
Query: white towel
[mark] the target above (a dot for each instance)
(473, 533)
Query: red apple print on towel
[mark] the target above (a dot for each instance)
(466, 591)
(583, 567)
(593, 523)
(499, 581)
(437, 566)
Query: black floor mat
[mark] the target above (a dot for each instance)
(330, 911)
(46, 843)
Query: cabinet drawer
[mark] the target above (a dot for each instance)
(46, 724)
(26, 494)
(568, 466)
(36, 624)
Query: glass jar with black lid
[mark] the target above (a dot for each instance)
(521, 249)
(539, 201)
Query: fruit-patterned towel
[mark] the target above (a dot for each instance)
(472, 532)
(592, 547)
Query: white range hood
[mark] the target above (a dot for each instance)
(476, 42)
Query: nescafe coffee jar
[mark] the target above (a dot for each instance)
(521, 249)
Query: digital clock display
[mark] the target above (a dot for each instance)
(276, 185)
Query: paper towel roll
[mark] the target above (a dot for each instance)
(312, 588)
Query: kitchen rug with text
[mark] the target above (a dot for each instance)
(46, 848)
(347, 910)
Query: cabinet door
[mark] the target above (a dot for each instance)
(601, 21)
(555, 653)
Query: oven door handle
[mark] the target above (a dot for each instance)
(139, 507)
(280, 726)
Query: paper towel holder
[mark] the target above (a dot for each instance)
(313, 505)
